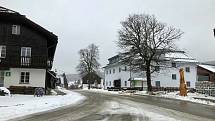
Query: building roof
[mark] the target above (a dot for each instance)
(177, 56)
(10, 16)
(208, 67)
(180, 56)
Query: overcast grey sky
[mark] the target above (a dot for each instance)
(78, 23)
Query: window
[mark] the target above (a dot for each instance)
(188, 84)
(157, 83)
(16, 29)
(187, 69)
(7, 73)
(174, 64)
(157, 68)
(26, 51)
(174, 76)
(24, 77)
(1, 78)
(109, 83)
(203, 78)
(25, 56)
(110, 71)
(119, 69)
(106, 72)
(2, 51)
(113, 70)
(125, 68)
(106, 83)
(126, 83)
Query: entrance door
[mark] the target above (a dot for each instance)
(117, 83)
(1, 78)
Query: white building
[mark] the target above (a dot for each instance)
(119, 75)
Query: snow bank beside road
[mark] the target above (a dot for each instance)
(173, 95)
(21, 105)
(190, 97)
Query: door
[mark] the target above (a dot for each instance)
(1, 78)
(117, 83)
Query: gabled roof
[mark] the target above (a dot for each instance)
(210, 68)
(6, 10)
(14, 17)
(177, 56)
(10, 16)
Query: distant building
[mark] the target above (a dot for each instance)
(96, 82)
(74, 79)
(118, 75)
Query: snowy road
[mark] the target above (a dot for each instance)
(105, 107)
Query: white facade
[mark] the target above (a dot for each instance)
(166, 77)
(36, 77)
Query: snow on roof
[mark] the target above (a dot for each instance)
(180, 57)
(208, 67)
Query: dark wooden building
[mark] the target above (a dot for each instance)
(93, 79)
(26, 51)
(206, 73)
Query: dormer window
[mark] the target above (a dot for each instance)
(16, 29)
(2, 51)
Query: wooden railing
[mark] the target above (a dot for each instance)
(26, 62)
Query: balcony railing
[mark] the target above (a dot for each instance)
(26, 62)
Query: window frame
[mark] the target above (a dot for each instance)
(114, 71)
(188, 83)
(156, 82)
(174, 75)
(120, 69)
(174, 65)
(24, 77)
(16, 29)
(3, 51)
(27, 53)
(187, 69)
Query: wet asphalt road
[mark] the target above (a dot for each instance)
(94, 109)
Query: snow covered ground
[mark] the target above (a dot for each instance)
(190, 97)
(21, 105)
(174, 95)
(134, 109)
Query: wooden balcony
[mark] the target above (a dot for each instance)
(26, 62)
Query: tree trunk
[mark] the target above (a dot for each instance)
(148, 76)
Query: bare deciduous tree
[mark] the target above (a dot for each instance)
(88, 61)
(144, 40)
